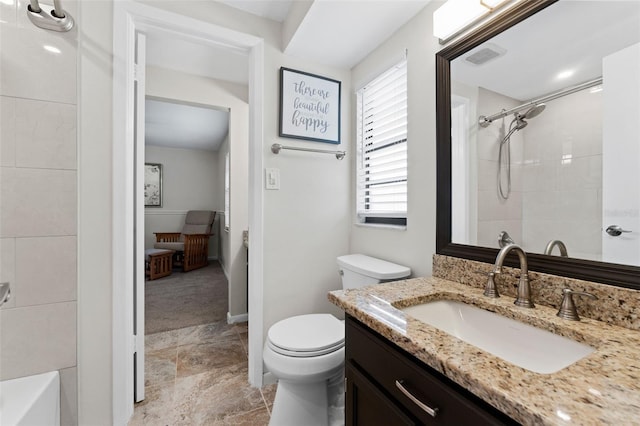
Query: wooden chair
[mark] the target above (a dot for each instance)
(192, 244)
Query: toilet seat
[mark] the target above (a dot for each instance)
(306, 335)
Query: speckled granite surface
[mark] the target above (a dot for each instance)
(602, 388)
(615, 305)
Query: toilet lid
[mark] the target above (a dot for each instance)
(307, 335)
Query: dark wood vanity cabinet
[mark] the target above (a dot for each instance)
(377, 371)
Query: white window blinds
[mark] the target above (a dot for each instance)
(382, 148)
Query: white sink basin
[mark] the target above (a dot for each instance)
(528, 347)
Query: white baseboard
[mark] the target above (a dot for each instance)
(233, 319)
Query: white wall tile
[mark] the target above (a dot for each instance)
(538, 232)
(491, 207)
(581, 173)
(8, 268)
(7, 131)
(38, 202)
(45, 270)
(540, 177)
(27, 70)
(45, 134)
(8, 12)
(540, 205)
(580, 204)
(37, 339)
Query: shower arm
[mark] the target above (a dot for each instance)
(484, 121)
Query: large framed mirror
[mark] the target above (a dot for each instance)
(538, 117)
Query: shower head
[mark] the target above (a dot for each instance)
(534, 111)
(519, 119)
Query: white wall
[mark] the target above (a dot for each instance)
(414, 246)
(189, 182)
(38, 193)
(95, 134)
(175, 85)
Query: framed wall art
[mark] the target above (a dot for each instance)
(152, 185)
(309, 107)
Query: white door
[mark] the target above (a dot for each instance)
(620, 158)
(138, 164)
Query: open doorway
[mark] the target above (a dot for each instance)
(185, 147)
(196, 131)
(130, 19)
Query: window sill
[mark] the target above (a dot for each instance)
(382, 226)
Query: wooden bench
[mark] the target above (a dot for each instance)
(158, 263)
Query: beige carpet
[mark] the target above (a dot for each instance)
(185, 299)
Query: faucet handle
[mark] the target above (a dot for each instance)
(490, 289)
(567, 307)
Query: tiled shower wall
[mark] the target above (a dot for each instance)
(556, 176)
(38, 200)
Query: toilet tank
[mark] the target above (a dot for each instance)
(359, 270)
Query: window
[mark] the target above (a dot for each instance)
(226, 191)
(382, 148)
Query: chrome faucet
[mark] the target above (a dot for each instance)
(523, 297)
(561, 246)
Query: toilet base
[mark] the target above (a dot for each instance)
(306, 404)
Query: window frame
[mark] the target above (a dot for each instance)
(363, 214)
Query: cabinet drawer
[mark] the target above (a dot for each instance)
(387, 365)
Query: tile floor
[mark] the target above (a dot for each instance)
(198, 376)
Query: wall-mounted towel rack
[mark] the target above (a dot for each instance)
(53, 18)
(276, 147)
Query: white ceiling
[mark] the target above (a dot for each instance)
(178, 125)
(341, 33)
(569, 35)
(276, 10)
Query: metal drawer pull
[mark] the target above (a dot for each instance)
(431, 411)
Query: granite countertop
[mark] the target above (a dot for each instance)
(601, 388)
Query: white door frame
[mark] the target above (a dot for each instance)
(128, 18)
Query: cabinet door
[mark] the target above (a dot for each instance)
(386, 366)
(366, 405)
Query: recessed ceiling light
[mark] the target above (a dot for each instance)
(51, 49)
(564, 74)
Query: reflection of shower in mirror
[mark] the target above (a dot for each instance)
(518, 123)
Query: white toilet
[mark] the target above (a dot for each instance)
(306, 352)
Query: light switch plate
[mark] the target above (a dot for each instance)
(272, 178)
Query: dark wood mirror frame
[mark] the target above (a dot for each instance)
(607, 273)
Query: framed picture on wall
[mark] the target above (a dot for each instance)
(152, 185)
(309, 106)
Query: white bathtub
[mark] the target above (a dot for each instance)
(31, 400)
